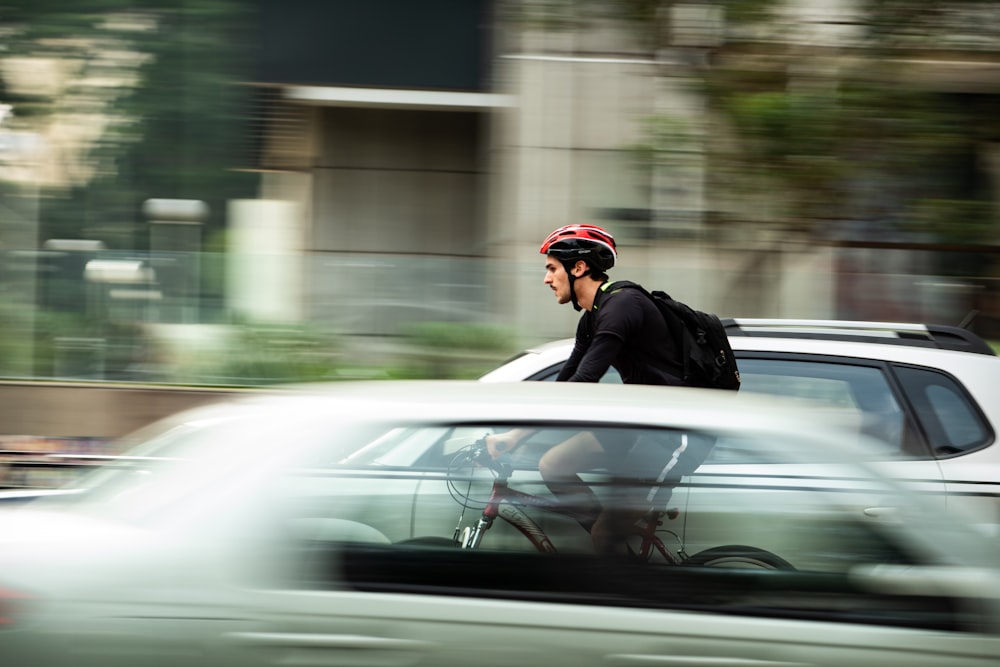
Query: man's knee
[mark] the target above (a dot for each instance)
(550, 468)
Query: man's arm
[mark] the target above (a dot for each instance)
(620, 315)
(569, 368)
(579, 349)
(597, 360)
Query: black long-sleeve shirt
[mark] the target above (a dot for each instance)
(624, 329)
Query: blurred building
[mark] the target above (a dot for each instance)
(425, 148)
(411, 156)
(377, 126)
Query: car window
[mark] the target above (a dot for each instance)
(862, 395)
(953, 423)
(550, 374)
(401, 447)
(788, 509)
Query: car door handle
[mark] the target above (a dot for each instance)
(881, 512)
(653, 660)
(330, 641)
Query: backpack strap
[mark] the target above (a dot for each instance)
(621, 284)
(674, 324)
(605, 289)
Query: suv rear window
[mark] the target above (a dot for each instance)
(952, 421)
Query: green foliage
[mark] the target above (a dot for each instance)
(825, 146)
(846, 136)
(261, 354)
(460, 336)
(650, 20)
(453, 350)
(42, 343)
(953, 221)
(783, 124)
(16, 340)
(663, 138)
(256, 354)
(183, 123)
(911, 23)
(750, 11)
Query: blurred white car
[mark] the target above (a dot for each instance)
(318, 527)
(931, 392)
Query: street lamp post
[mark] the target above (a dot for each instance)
(175, 251)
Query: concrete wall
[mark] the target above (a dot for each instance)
(91, 410)
(398, 181)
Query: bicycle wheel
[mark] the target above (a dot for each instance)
(738, 556)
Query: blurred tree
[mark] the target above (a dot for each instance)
(144, 103)
(894, 23)
(113, 102)
(843, 134)
(827, 120)
(861, 151)
(651, 20)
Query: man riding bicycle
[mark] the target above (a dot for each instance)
(620, 328)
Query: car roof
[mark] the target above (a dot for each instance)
(936, 336)
(534, 358)
(530, 361)
(924, 356)
(930, 345)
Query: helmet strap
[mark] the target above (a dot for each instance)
(572, 282)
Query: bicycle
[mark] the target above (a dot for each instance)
(505, 502)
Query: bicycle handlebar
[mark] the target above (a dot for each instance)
(481, 455)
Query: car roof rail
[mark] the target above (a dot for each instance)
(940, 336)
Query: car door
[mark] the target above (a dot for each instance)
(442, 608)
(961, 439)
(867, 398)
(345, 596)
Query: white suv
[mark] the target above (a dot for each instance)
(932, 393)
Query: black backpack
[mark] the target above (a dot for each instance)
(708, 358)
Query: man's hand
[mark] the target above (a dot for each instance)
(499, 444)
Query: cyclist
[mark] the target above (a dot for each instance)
(620, 328)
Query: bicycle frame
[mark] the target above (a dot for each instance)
(505, 503)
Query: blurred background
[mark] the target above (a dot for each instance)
(234, 193)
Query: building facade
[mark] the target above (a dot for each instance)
(413, 155)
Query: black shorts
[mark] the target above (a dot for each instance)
(649, 464)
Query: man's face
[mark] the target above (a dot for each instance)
(557, 279)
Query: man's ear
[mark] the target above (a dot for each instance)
(580, 268)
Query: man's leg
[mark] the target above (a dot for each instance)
(645, 474)
(560, 468)
(613, 528)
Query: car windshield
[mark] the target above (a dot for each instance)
(175, 459)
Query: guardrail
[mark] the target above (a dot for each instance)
(52, 431)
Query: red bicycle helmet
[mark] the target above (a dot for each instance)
(587, 242)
